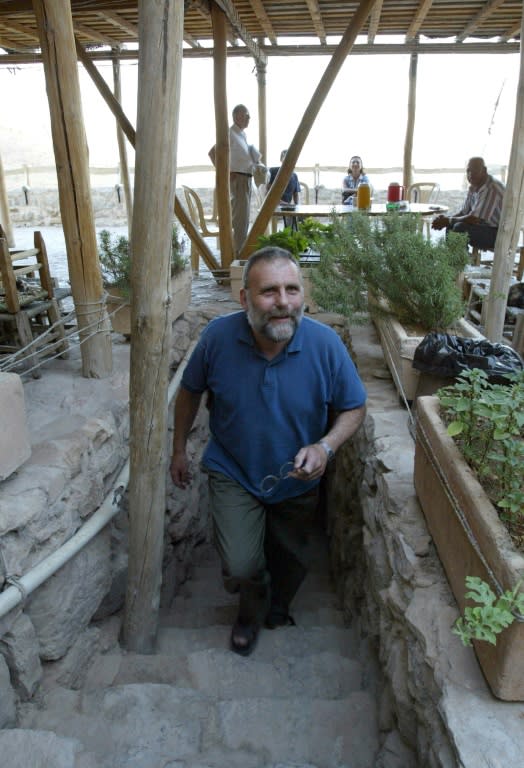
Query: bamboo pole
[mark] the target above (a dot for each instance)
(129, 131)
(122, 149)
(161, 24)
(223, 195)
(5, 218)
(344, 47)
(55, 31)
(407, 177)
(511, 219)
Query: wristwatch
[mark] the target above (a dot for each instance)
(328, 449)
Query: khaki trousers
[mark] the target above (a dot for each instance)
(240, 189)
(263, 547)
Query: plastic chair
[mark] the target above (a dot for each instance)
(196, 214)
(423, 192)
(304, 193)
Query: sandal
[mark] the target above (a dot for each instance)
(247, 633)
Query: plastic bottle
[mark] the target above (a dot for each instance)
(363, 197)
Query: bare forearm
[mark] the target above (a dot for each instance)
(186, 408)
(345, 425)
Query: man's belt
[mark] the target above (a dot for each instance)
(239, 173)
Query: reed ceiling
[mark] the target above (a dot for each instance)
(264, 27)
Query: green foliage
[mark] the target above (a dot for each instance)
(391, 257)
(309, 234)
(115, 258)
(487, 423)
(491, 615)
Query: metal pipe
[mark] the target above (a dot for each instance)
(27, 583)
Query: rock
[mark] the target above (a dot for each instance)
(42, 749)
(7, 697)
(19, 646)
(63, 606)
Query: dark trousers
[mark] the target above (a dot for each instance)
(479, 235)
(263, 547)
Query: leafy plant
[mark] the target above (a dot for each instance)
(115, 258)
(491, 615)
(487, 423)
(392, 258)
(309, 234)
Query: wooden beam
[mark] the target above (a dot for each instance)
(263, 20)
(511, 219)
(374, 21)
(316, 18)
(235, 21)
(475, 22)
(161, 24)
(120, 22)
(418, 19)
(55, 29)
(93, 35)
(222, 150)
(22, 29)
(355, 26)
(25, 56)
(122, 148)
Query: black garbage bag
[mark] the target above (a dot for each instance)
(447, 356)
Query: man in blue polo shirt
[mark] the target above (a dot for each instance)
(284, 395)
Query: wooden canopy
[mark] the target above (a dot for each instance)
(259, 28)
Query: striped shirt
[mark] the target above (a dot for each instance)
(485, 202)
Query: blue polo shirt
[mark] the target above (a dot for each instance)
(263, 411)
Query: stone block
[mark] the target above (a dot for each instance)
(15, 448)
(7, 697)
(21, 651)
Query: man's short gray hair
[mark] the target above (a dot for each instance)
(268, 254)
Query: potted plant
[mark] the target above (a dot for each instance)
(410, 284)
(304, 243)
(114, 257)
(468, 477)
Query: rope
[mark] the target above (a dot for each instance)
(72, 337)
(14, 582)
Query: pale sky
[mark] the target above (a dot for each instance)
(365, 112)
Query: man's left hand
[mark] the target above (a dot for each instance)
(310, 463)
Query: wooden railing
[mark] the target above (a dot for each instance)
(314, 175)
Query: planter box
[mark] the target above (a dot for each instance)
(470, 540)
(399, 348)
(120, 311)
(236, 270)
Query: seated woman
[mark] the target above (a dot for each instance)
(355, 177)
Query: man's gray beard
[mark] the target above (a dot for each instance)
(279, 332)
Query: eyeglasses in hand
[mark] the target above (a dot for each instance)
(270, 483)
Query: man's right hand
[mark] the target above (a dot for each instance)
(179, 469)
(440, 222)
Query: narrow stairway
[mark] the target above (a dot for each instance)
(303, 698)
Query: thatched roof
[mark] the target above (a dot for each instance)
(260, 27)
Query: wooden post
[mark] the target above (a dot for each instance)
(55, 30)
(122, 149)
(262, 109)
(223, 196)
(161, 25)
(5, 218)
(511, 219)
(259, 226)
(407, 177)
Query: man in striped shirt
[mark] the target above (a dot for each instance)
(480, 213)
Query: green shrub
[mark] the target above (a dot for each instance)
(391, 257)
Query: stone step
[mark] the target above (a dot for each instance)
(209, 577)
(221, 674)
(146, 726)
(190, 613)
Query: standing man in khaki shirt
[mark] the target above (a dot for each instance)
(242, 160)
